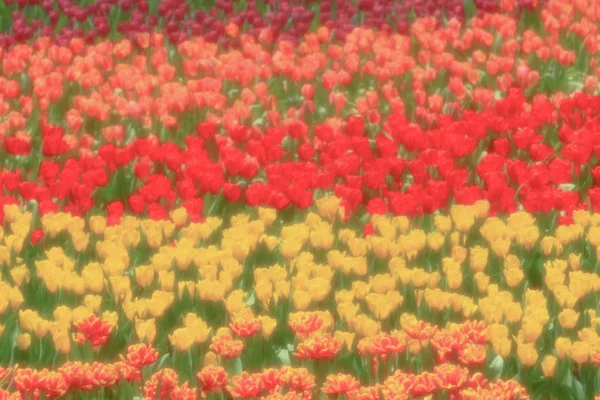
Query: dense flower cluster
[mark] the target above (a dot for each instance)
(255, 291)
(384, 121)
(213, 20)
(298, 199)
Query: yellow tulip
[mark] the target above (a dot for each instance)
(575, 261)
(167, 280)
(62, 343)
(28, 319)
(360, 289)
(580, 352)
(435, 240)
(568, 318)
(301, 299)
(527, 354)
(347, 338)
(267, 215)
(563, 347)
(513, 277)
(179, 216)
(548, 366)
(97, 224)
(92, 303)
(502, 347)
(290, 248)
(478, 258)
(146, 330)
(182, 339)
(41, 327)
(20, 274)
(23, 341)
(144, 276)
(268, 325)
(501, 247)
(442, 223)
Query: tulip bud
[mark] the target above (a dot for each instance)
(548, 366)
(210, 359)
(179, 216)
(502, 347)
(97, 224)
(527, 354)
(268, 325)
(442, 223)
(62, 343)
(301, 299)
(568, 318)
(575, 261)
(23, 341)
(563, 347)
(580, 352)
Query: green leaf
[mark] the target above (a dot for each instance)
(237, 366)
(284, 356)
(542, 391)
(470, 9)
(496, 367)
(578, 390)
(564, 392)
(251, 300)
(567, 186)
(163, 361)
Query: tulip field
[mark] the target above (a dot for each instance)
(299, 199)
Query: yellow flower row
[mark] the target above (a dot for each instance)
(467, 263)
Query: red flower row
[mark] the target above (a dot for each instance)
(495, 154)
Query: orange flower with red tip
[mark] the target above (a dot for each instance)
(365, 393)
(79, 376)
(340, 383)
(273, 379)
(475, 331)
(28, 382)
(183, 392)
(396, 392)
(94, 330)
(477, 380)
(165, 380)
(451, 377)
(305, 322)
(4, 372)
(213, 378)
(55, 384)
(300, 380)
(416, 329)
(472, 354)
(288, 396)
(425, 384)
(106, 375)
(446, 343)
(245, 327)
(140, 355)
(400, 382)
(5, 395)
(226, 346)
(596, 357)
(509, 389)
(318, 347)
(127, 372)
(381, 344)
(246, 386)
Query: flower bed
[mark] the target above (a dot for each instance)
(362, 200)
